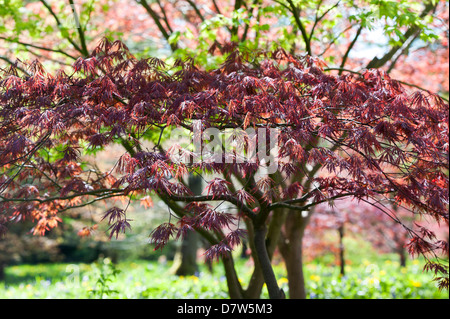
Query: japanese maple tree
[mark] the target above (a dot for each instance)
(349, 136)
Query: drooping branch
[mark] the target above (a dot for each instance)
(399, 81)
(102, 192)
(31, 45)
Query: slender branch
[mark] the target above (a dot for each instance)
(350, 47)
(6, 59)
(103, 192)
(216, 6)
(403, 52)
(40, 56)
(196, 9)
(4, 185)
(92, 201)
(207, 198)
(166, 20)
(306, 207)
(296, 12)
(247, 25)
(318, 19)
(402, 82)
(80, 30)
(334, 39)
(38, 47)
(59, 25)
(157, 21)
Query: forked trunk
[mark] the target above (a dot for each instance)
(256, 283)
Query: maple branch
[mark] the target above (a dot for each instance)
(207, 198)
(4, 185)
(47, 58)
(6, 59)
(306, 207)
(116, 191)
(44, 174)
(38, 47)
(317, 19)
(344, 59)
(85, 51)
(59, 24)
(180, 212)
(411, 232)
(157, 21)
(391, 182)
(296, 12)
(92, 201)
(228, 262)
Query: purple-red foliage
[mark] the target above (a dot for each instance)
(362, 136)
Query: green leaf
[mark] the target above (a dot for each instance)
(174, 37)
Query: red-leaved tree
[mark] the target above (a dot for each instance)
(360, 220)
(363, 137)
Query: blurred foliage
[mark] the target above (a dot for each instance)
(63, 244)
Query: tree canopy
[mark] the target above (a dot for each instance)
(337, 136)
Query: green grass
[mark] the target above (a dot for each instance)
(143, 279)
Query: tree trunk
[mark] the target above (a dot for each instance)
(341, 249)
(185, 262)
(2, 272)
(292, 252)
(259, 239)
(235, 290)
(186, 258)
(402, 254)
(256, 283)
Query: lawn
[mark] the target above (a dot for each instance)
(144, 279)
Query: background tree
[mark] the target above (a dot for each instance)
(355, 129)
(359, 220)
(15, 247)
